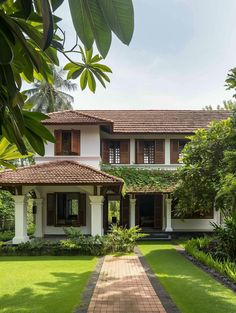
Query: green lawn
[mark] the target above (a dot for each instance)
(43, 284)
(191, 289)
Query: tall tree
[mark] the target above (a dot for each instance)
(49, 97)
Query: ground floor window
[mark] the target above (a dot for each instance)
(66, 209)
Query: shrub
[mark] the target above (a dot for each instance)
(225, 236)
(6, 235)
(122, 239)
(196, 248)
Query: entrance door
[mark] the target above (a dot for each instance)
(146, 211)
(149, 211)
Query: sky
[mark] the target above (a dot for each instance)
(178, 58)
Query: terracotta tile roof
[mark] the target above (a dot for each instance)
(73, 117)
(57, 173)
(158, 121)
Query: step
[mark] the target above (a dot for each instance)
(157, 236)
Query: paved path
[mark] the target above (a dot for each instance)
(123, 287)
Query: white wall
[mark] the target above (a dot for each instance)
(89, 146)
(195, 224)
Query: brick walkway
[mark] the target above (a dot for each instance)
(123, 287)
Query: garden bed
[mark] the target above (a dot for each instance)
(223, 270)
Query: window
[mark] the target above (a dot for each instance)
(67, 142)
(181, 145)
(149, 152)
(114, 152)
(67, 210)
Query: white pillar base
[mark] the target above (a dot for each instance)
(17, 240)
(96, 204)
(132, 203)
(168, 215)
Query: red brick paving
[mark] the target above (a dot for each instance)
(123, 287)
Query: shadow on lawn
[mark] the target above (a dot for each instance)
(187, 284)
(60, 296)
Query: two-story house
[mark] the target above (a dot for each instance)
(70, 189)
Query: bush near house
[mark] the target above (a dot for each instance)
(219, 251)
(118, 240)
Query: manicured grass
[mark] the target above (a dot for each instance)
(43, 284)
(191, 289)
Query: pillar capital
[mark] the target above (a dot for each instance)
(132, 201)
(19, 199)
(96, 199)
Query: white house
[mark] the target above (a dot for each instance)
(71, 190)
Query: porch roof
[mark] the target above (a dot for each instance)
(57, 173)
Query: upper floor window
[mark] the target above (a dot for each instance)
(176, 148)
(67, 142)
(150, 151)
(115, 151)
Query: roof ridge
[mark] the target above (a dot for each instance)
(94, 116)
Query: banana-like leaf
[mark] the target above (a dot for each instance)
(47, 24)
(6, 53)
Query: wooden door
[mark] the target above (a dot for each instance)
(158, 211)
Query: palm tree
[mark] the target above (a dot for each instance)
(49, 97)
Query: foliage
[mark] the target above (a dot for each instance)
(122, 239)
(231, 80)
(201, 173)
(30, 39)
(140, 179)
(196, 247)
(49, 97)
(225, 236)
(6, 210)
(9, 152)
(227, 105)
(89, 70)
(6, 235)
(191, 289)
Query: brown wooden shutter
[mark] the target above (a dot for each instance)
(160, 151)
(125, 212)
(105, 214)
(124, 151)
(58, 143)
(174, 151)
(82, 209)
(75, 142)
(158, 210)
(139, 151)
(105, 150)
(51, 209)
(137, 216)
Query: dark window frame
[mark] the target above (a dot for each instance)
(116, 150)
(72, 221)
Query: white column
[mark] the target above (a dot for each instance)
(167, 151)
(20, 220)
(132, 151)
(39, 218)
(168, 215)
(96, 205)
(132, 203)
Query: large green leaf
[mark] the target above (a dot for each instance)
(120, 17)
(100, 29)
(47, 24)
(56, 4)
(6, 53)
(81, 22)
